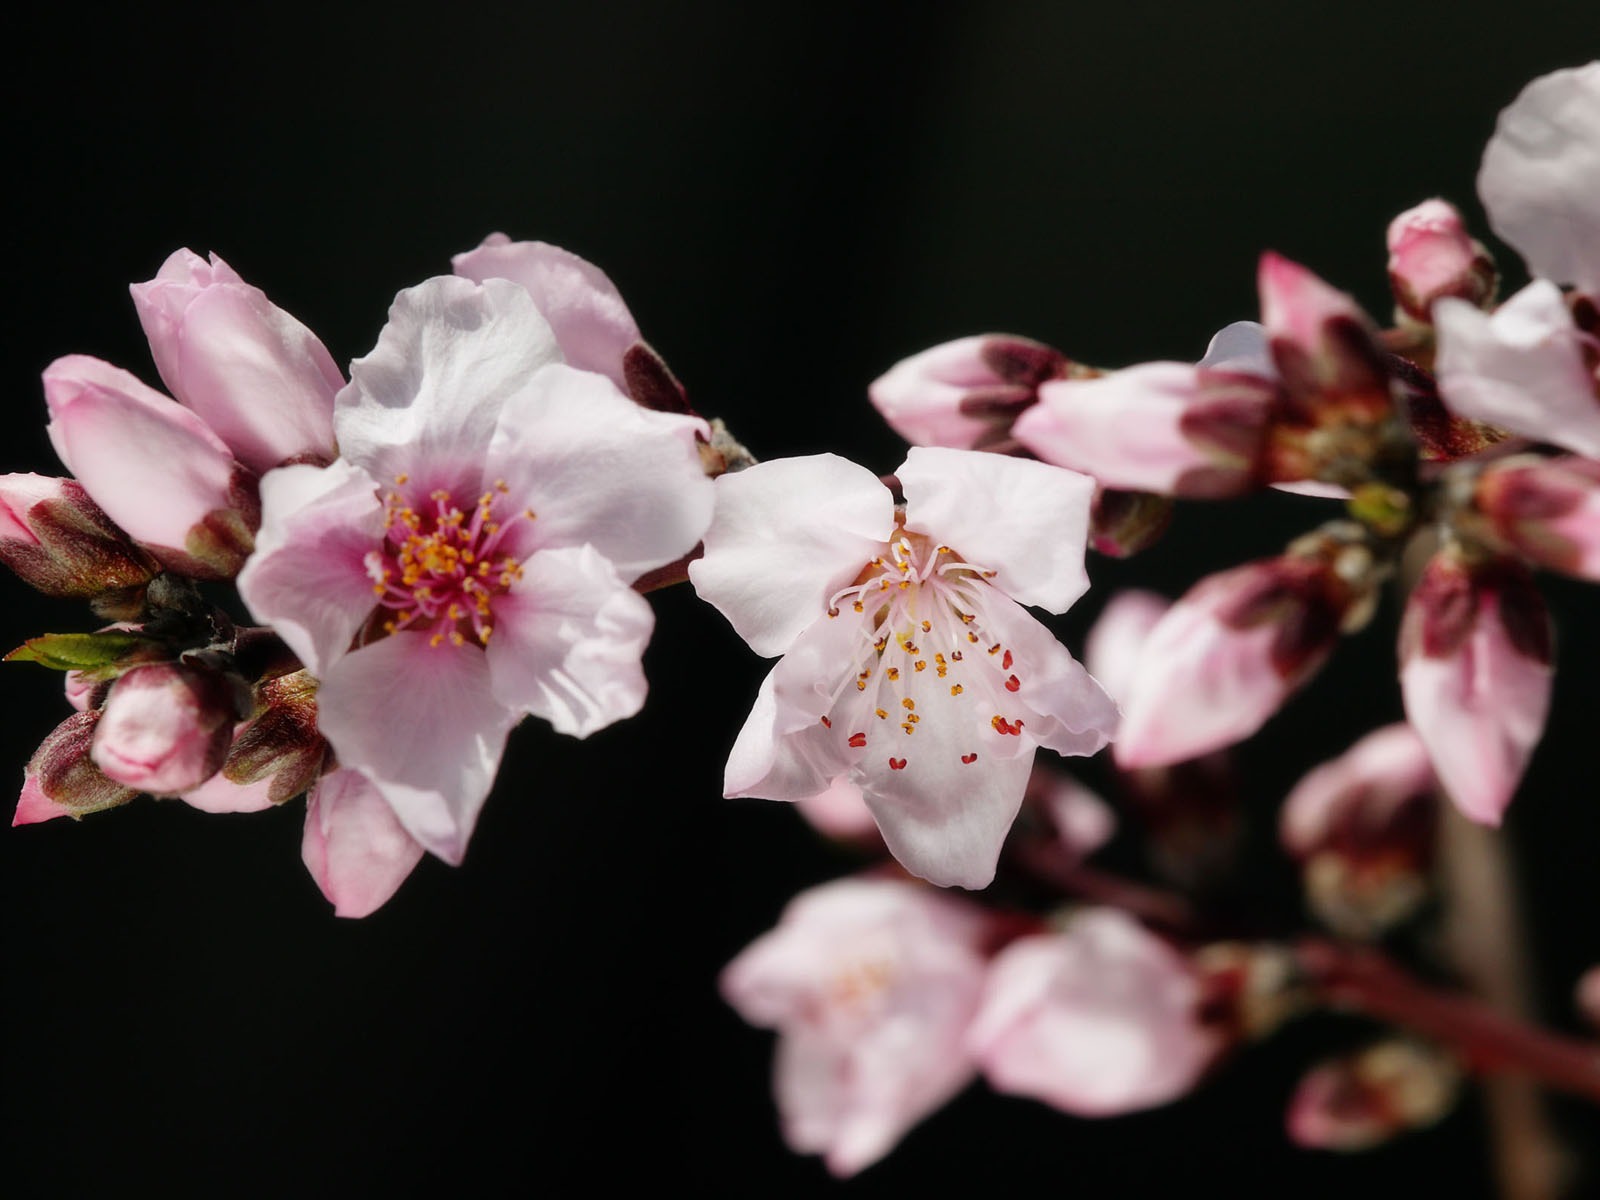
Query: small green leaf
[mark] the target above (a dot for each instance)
(97, 655)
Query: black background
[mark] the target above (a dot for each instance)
(791, 198)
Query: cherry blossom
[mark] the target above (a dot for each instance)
(908, 661)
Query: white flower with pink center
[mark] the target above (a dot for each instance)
(465, 562)
(908, 662)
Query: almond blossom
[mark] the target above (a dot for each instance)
(465, 562)
(907, 659)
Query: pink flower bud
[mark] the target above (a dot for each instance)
(1431, 255)
(166, 729)
(1362, 1100)
(841, 813)
(259, 378)
(280, 746)
(58, 541)
(1164, 427)
(156, 469)
(965, 394)
(1083, 822)
(1362, 828)
(1548, 510)
(62, 780)
(1123, 523)
(1475, 675)
(1101, 1019)
(1587, 996)
(1226, 656)
(1117, 639)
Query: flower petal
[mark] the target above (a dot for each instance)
(1241, 346)
(421, 722)
(779, 765)
(1117, 638)
(354, 847)
(1070, 712)
(785, 536)
(1026, 521)
(568, 640)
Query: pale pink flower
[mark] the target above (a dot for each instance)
(354, 845)
(1431, 255)
(964, 393)
(1475, 674)
(871, 985)
(907, 659)
(483, 488)
(259, 378)
(1103, 1018)
(1361, 1100)
(1547, 509)
(1541, 173)
(166, 728)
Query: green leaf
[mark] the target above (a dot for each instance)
(97, 655)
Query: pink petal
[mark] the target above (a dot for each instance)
(1083, 821)
(1240, 347)
(1026, 521)
(1548, 509)
(1117, 638)
(258, 377)
(355, 849)
(421, 722)
(219, 794)
(592, 325)
(154, 467)
(597, 468)
(568, 640)
(839, 812)
(779, 763)
(426, 401)
(1297, 306)
(1520, 368)
(923, 397)
(1541, 174)
(307, 578)
(34, 806)
(1431, 255)
(784, 537)
(18, 494)
(1379, 773)
(165, 728)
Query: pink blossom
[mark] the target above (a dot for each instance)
(1541, 174)
(1431, 255)
(871, 984)
(1547, 509)
(1103, 1018)
(1362, 1100)
(354, 845)
(907, 659)
(483, 488)
(1475, 675)
(165, 728)
(964, 393)
(260, 379)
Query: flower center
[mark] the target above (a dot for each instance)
(440, 567)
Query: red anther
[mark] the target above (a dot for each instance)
(897, 764)
(1013, 683)
(1005, 663)
(970, 758)
(827, 724)
(858, 740)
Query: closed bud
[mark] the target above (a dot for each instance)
(1547, 510)
(1362, 1100)
(166, 728)
(1123, 523)
(280, 742)
(1247, 989)
(1432, 255)
(61, 779)
(965, 394)
(58, 541)
(1587, 996)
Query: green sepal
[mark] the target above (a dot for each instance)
(97, 655)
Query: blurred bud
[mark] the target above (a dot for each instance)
(280, 742)
(62, 780)
(1587, 996)
(841, 813)
(966, 393)
(1362, 1100)
(1248, 989)
(1192, 818)
(1547, 510)
(1117, 638)
(58, 541)
(1362, 828)
(1100, 1019)
(1432, 255)
(1475, 675)
(166, 729)
(1123, 523)
(1082, 821)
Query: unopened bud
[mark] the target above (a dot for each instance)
(966, 393)
(165, 729)
(62, 780)
(1587, 995)
(1547, 510)
(1432, 255)
(1247, 989)
(1123, 523)
(1362, 1100)
(58, 541)
(280, 741)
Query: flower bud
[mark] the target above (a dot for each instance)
(965, 394)
(1362, 828)
(260, 379)
(1123, 523)
(1547, 510)
(1247, 989)
(1362, 1100)
(1475, 675)
(1587, 996)
(841, 813)
(1432, 255)
(156, 469)
(166, 729)
(280, 742)
(62, 780)
(58, 541)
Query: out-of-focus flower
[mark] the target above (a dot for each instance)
(840, 811)
(1362, 828)
(483, 488)
(1103, 1018)
(965, 394)
(166, 728)
(1362, 1100)
(1587, 995)
(1431, 255)
(871, 984)
(1475, 675)
(1547, 510)
(1117, 639)
(255, 375)
(908, 661)
(58, 541)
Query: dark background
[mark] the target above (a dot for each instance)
(791, 198)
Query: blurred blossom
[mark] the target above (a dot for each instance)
(1547, 510)
(1362, 1100)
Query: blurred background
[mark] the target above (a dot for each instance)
(791, 198)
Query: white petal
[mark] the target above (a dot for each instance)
(1027, 521)
(597, 468)
(568, 640)
(785, 536)
(1241, 346)
(1069, 712)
